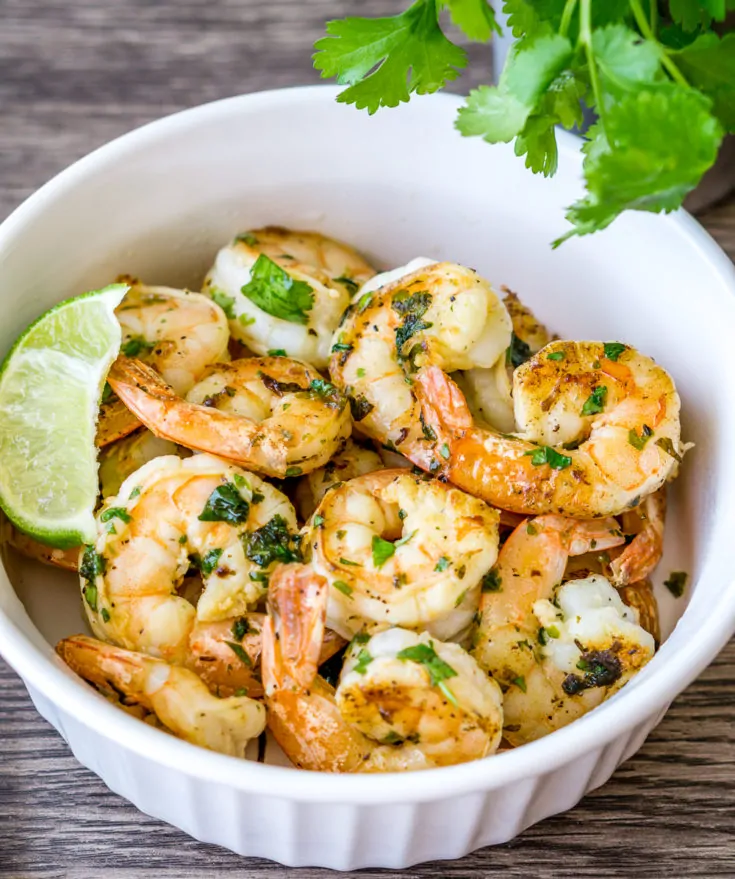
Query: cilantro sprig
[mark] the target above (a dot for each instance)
(660, 77)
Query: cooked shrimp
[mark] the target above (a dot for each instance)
(403, 701)
(179, 699)
(401, 549)
(118, 460)
(286, 290)
(613, 421)
(489, 391)
(170, 515)
(442, 314)
(176, 332)
(226, 655)
(534, 648)
(353, 460)
(276, 415)
(67, 559)
(643, 553)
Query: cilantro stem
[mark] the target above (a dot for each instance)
(585, 38)
(566, 17)
(654, 16)
(647, 31)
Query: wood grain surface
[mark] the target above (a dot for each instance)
(75, 73)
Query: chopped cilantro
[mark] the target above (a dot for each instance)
(115, 513)
(293, 471)
(360, 407)
(240, 628)
(361, 373)
(90, 593)
(105, 613)
(135, 492)
(520, 682)
(274, 291)
(595, 403)
(517, 352)
(556, 355)
(613, 350)
(442, 564)
(676, 583)
(343, 587)
(240, 653)
(382, 550)
(225, 302)
(273, 542)
(93, 565)
(225, 504)
(531, 529)
(107, 393)
(349, 563)
(247, 238)
(318, 521)
(547, 455)
(136, 345)
(209, 561)
(439, 671)
(639, 441)
(363, 661)
(492, 581)
(444, 451)
(277, 352)
(667, 445)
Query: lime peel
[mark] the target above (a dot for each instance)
(50, 389)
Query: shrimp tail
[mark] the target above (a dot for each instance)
(643, 553)
(170, 417)
(294, 629)
(443, 404)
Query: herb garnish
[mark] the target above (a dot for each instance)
(225, 302)
(595, 403)
(547, 455)
(439, 671)
(273, 542)
(676, 583)
(613, 350)
(115, 513)
(225, 504)
(517, 352)
(274, 291)
(639, 441)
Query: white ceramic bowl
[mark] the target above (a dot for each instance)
(158, 203)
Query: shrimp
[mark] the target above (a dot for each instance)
(178, 698)
(352, 460)
(643, 553)
(403, 701)
(442, 314)
(535, 648)
(170, 516)
(275, 415)
(176, 332)
(286, 290)
(66, 559)
(611, 414)
(118, 460)
(227, 670)
(489, 391)
(401, 549)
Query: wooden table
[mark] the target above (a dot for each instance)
(76, 73)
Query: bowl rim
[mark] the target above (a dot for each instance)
(44, 672)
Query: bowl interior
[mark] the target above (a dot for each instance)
(159, 203)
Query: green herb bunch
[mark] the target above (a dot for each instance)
(660, 77)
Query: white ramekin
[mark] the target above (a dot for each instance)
(157, 203)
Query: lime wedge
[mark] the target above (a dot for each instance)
(50, 388)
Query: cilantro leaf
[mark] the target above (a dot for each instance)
(225, 504)
(225, 302)
(274, 291)
(499, 113)
(547, 455)
(382, 550)
(272, 542)
(694, 14)
(385, 60)
(475, 18)
(624, 60)
(653, 150)
(709, 64)
(439, 671)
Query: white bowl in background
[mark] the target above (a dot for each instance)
(158, 203)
